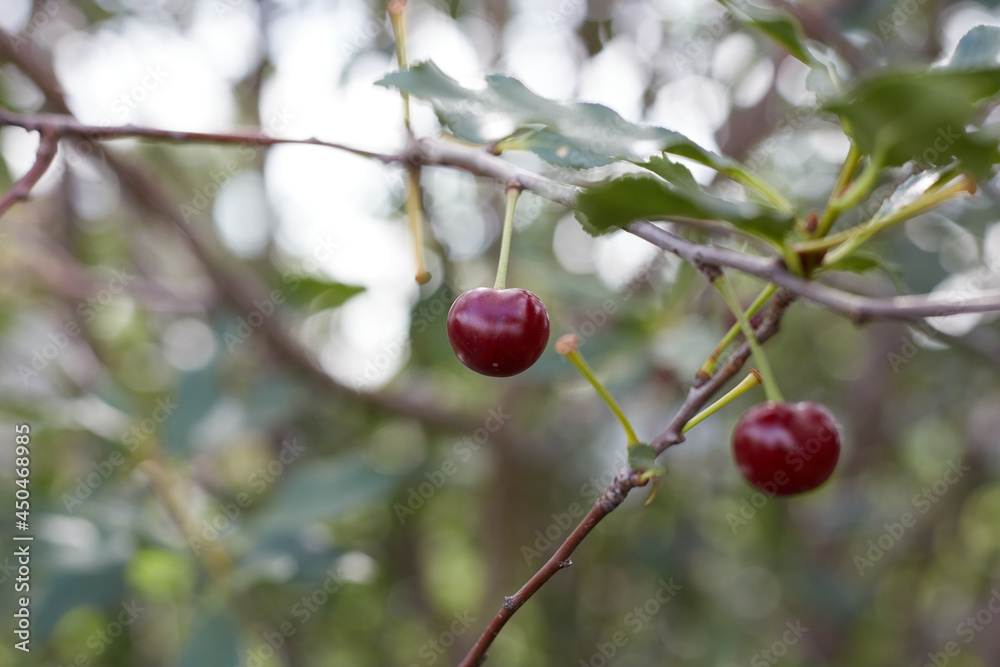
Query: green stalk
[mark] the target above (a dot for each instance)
(764, 189)
(581, 365)
(847, 172)
(750, 381)
(414, 216)
(729, 296)
(708, 367)
(508, 226)
(929, 200)
(855, 237)
(397, 15)
(859, 188)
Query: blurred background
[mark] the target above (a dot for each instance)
(203, 496)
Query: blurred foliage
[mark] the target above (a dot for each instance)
(198, 500)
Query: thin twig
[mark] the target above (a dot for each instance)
(64, 125)
(625, 481)
(47, 147)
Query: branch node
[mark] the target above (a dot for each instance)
(508, 602)
(711, 271)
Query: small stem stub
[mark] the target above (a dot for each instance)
(567, 344)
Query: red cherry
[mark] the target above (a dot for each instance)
(498, 332)
(786, 448)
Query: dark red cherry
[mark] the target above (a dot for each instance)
(786, 448)
(498, 332)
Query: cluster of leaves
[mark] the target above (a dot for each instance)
(931, 117)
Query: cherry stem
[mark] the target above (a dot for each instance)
(581, 365)
(397, 15)
(847, 172)
(751, 380)
(513, 192)
(860, 234)
(708, 367)
(415, 218)
(729, 296)
(851, 195)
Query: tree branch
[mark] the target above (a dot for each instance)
(856, 307)
(626, 480)
(47, 147)
(64, 125)
(483, 163)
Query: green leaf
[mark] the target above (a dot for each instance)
(618, 202)
(641, 457)
(559, 150)
(859, 262)
(780, 27)
(578, 135)
(978, 49)
(924, 115)
(670, 171)
(315, 294)
(317, 491)
(680, 176)
(215, 640)
(866, 262)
